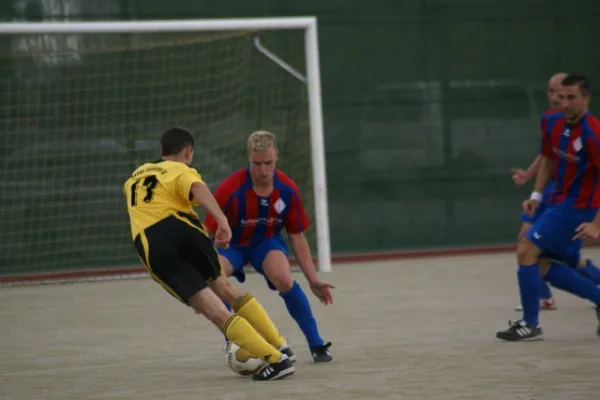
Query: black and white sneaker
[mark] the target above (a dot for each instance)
(273, 372)
(520, 330)
(287, 350)
(321, 354)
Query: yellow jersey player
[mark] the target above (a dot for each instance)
(179, 256)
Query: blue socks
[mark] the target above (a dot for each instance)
(590, 271)
(545, 292)
(567, 279)
(529, 287)
(299, 308)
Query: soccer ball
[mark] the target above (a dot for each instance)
(240, 363)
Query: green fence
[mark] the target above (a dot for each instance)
(427, 105)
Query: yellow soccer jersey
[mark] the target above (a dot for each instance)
(157, 190)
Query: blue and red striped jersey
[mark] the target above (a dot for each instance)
(575, 152)
(253, 218)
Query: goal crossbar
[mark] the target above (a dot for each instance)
(160, 25)
(313, 81)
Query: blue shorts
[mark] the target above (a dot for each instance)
(239, 256)
(553, 233)
(530, 219)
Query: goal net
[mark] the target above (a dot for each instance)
(81, 110)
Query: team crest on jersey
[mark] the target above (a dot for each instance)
(569, 157)
(279, 206)
(577, 144)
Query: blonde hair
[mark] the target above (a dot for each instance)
(261, 141)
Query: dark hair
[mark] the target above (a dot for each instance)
(174, 140)
(581, 81)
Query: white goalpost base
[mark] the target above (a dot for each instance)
(312, 82)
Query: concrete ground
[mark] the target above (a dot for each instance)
(413, 329)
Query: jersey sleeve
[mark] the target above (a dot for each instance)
(222, 194)
(185, 181)
(296, 219)
(546, 146)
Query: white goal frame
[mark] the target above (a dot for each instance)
(313, 81)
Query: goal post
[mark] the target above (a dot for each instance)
(88, 99)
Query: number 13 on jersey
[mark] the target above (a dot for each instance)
(149, 183)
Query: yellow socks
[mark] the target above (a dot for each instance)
(240, 332)
(252, 330)
(250, 309)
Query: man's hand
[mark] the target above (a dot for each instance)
(323, 291)
(223, 235)
(520, 176)
(529, 206)
(587, 230)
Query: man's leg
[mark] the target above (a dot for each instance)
(587, 269)
(568, 279)
(553, 233)
(245, 305)
(547, 301)
(185, 275)
(241, 332)
(528, 277)
(270, 259)
(232, 263)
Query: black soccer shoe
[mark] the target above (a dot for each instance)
(520, 331)
(287, 350)
(273, 372)
(321, 354)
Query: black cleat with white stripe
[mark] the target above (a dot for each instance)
(321, 354)
(520, 331)
(275, 371)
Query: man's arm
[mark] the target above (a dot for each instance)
(201, 196)
(521, 177)
(303, 256)
(593, 146)
(534, 167)
(591, 230)
(301, 248)
(543, 174)
(545, 165)
(222, 196)
(296, 222)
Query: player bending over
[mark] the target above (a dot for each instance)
(259, 202)
(570, 156)
(520, 177)
(179, 255)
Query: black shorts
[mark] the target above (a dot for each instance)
(179, 255)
